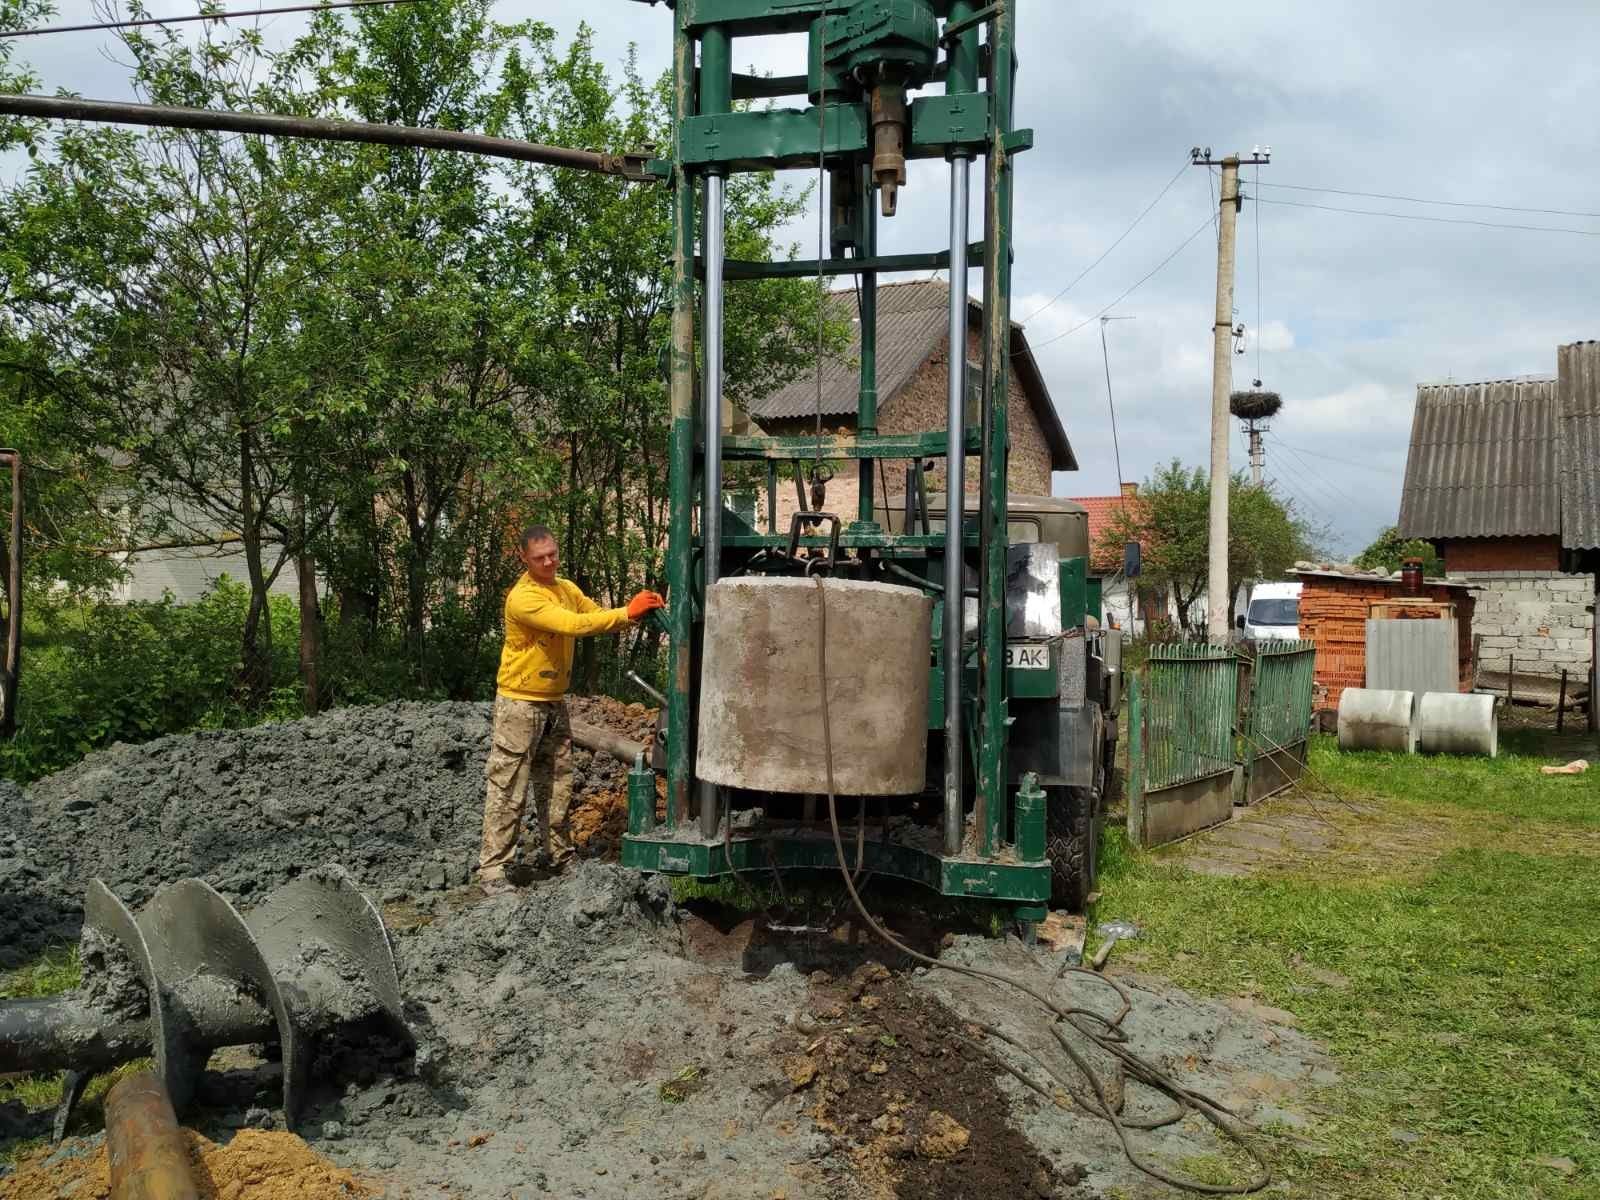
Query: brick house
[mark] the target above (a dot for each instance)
(913, 349)
(1503, 477)
(1118, 599)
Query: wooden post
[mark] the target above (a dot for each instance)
(1561, 704)
(1511, 679)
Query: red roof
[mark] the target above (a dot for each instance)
(1101, 510)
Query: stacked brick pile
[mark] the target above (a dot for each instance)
(1334, 608)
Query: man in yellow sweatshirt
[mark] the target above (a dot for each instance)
(532, 743)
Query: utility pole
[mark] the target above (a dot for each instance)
(1221, 387)
(1257, 458)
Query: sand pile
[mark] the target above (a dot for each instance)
(256, 1165)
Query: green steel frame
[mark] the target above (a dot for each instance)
(712, 138)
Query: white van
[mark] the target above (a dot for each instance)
(1273, 612)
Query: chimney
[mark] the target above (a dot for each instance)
(1130, 489)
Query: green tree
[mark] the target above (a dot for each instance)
(1170, 518)
(1389, 550)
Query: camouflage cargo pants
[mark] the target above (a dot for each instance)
(531, 750)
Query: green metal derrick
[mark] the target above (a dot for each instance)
(860, 124)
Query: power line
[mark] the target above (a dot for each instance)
(1549, 212)
(1257, 223)
(1078, 278)
(1344, 462)
(1145, 279)
(1311, 474)
(211, 16)
(1367, 212)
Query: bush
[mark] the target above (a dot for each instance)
(104, 673)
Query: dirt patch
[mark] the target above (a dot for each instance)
(256, 1165)
(908, 1096)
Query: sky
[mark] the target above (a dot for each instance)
(1444, 100)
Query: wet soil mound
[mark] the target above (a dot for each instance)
(393, 792)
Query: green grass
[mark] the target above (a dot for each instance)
(54, 972)
(1471, 1015)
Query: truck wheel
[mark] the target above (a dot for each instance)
(1071, 845)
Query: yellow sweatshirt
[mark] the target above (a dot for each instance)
(536, 660)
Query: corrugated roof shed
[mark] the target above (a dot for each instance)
(1578, 394)
(1484, 461)
(911, 325)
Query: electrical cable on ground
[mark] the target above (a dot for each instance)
(1106, 1033)
(1400, 216)
(1110, 248)
(238, 14)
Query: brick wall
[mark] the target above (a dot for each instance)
(1537, 617)
(922, 405)
(1500, 554)
(918, 407)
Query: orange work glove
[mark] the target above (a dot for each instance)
(644, 602)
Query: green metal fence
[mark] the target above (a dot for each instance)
(1189, 698)
(1277, 721)
(1185, 744)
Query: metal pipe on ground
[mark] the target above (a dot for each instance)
(148, 1152)
(1377, 719)
(1457, 723)
(593, 737)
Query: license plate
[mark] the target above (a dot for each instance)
(1021, 657)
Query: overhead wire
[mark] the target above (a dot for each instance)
(235, 14)
(1549, 212)
(1400, 216)
(1256, 217)
(1313, 474)
(1123, 237)
(1344, 462)
(1144, 279)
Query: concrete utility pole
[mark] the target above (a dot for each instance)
(1257, 458)
(1221, 387)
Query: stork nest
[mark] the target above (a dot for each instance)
(1254, 405)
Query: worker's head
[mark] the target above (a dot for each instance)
(539, 553)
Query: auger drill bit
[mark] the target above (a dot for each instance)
(189, 975)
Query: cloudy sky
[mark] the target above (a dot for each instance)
(1446, 100)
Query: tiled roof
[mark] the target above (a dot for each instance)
(1101, 510)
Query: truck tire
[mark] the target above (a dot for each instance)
(1071, 845)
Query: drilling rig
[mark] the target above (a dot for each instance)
(938, 673)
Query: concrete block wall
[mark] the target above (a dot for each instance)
(1538, 618)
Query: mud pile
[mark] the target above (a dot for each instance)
(392, 792)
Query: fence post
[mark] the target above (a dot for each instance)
(1561, 704)
(1135, 763)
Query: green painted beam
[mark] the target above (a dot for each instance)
(799, 848)
(849, 539)
(786, 138)
(803, 268)
(933, 444)
(748, 18)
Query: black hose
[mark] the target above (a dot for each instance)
(1110, 1036)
